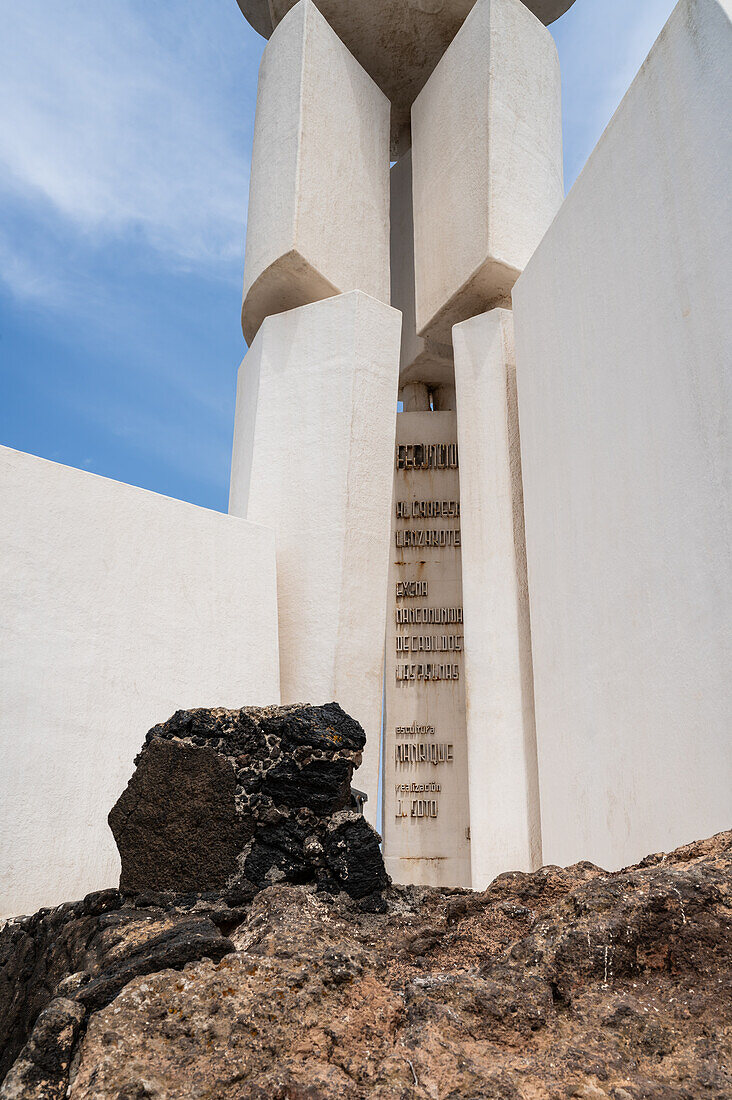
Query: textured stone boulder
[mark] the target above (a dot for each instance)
(236, 800)
(561, 984)
(550, 986)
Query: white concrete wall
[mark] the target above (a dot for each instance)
(318, 218)
(505, 828)
(623, 344)
(313, 457)
(487, 163)
(117, 607)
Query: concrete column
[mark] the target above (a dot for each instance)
(487, 164)
(421, 362)
(415, 397)
(318, 219)
(313, 457)
(443, 398)
(504, 793)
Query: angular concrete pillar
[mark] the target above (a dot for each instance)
(318, 221)
(504, 793)
(487, 164)
(313, 455)
(420, 362)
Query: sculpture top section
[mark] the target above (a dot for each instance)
(398, 42)
(265, 20)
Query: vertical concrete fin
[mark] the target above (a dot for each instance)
(504, 824)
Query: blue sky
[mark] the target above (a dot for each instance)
(125, 138)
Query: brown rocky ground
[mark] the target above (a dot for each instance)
(561, 983)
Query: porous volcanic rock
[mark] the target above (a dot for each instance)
(86, 952)
(237, 800)
(564, 983)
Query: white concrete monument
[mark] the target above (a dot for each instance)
(553, 687)
(472, 90)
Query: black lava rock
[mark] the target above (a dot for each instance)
(236, 800)
(41, 1071)
(353, 855)
(176, 824)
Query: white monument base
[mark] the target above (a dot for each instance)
(623, 346)
(118, 607)
(313, 449)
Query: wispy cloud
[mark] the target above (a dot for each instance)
(112, 119)
(125, 135)
(26, 278)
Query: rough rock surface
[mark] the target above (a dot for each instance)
(240, 799)
(562, 983)
(87, 951)
(43, 1070)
